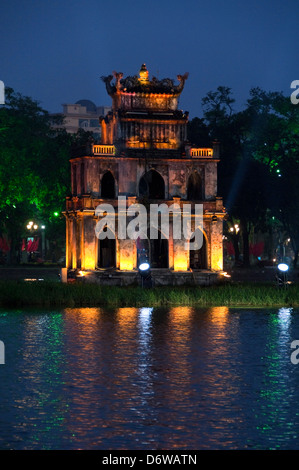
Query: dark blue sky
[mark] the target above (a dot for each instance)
(56, 50)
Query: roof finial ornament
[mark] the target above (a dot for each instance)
(143, 75)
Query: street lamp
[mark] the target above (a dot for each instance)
(32, 227)
(43, 227)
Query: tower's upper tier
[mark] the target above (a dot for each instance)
(140, 93)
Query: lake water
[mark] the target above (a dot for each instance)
(149, 379)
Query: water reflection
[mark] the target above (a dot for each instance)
(148, 378)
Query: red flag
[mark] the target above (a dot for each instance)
(230, 248)
(35, 246)
(5, 245)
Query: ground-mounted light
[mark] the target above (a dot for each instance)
(282, 278)
(283, 267)
(144, 270)
(144, 267)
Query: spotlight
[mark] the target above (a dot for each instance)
(282, 278)
(143, 267)
(283, 267)
(145, 273)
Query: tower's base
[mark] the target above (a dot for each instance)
(158, 277)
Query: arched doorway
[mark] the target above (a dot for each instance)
(159, 252)
(152, 185)
(198, 257)
(107, 251)
(108, 186)
(194, 187)
(153, 250)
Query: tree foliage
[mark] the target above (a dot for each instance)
(258, 174)
(34, 167)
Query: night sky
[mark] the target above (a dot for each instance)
(56, 50)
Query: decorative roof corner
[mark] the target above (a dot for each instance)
(142, 84)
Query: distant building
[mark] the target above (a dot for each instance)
(84, 114)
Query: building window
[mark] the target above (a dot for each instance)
(83, 123)
(108, 186)
(194, 187)
(94, 123)
(152, 185)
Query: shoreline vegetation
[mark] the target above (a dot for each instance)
(58, 294)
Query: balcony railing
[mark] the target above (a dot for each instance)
(201, 152)
(103, 149)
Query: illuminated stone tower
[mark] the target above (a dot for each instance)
(144, 157)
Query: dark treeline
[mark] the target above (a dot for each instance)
(258, 174)
(34, 172)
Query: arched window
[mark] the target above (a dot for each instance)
(152, 185)
(198, 257)
(194, 187)
(108, 186)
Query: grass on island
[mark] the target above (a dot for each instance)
(57, 294)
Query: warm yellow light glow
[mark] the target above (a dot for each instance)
(126, 319)
(217, 262)
(180, 314)
(225, 274)
(180, 262)
(83, 273)
(143, 75)
(35, 227)
(89, 259)
(219, 315)
(103, 149)
(201, 152)
(86, 316)
(126, 264)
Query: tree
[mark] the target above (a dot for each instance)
(275, 143)
(243, 180)
(34, 168)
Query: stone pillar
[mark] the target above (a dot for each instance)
(216, 245)
(180, 256)
(68, 250)
(127, 255)
(89, 242)
(74, 243)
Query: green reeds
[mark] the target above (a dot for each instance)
(56, 294)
